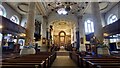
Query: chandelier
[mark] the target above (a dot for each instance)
(64, 10)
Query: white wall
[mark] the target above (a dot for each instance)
(10, 12)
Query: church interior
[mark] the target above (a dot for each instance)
(59, 33)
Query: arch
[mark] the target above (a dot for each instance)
(54, 17)
(112, 18)
(62, 35)
(15, 19)
(2, 11)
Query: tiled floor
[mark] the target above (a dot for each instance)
(63, 60)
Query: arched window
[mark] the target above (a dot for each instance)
(89, 26)
(23, 24)
(2, 11)
(112, 18)
(15, 19)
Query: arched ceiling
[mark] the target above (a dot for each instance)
(62, 26)
(45, 8)
(76, 7)
(21, 7)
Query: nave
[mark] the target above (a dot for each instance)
(60, 34)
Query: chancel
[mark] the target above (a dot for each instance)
(60, 33)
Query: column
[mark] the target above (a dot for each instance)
(44, 27)
(77, 35)
(30, 26)
(119, 10)
(97, 21)
(44, 40)
(82, 34)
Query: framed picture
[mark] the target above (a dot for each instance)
(118, 45)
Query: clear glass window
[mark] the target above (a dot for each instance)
(89, 26)
(112, 18)
(14, 19)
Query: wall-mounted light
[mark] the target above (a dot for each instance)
(22, 35)
(1, 26)
(105, 34)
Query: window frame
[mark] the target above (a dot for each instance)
(89, 26)
(16, 19)
(110, 20)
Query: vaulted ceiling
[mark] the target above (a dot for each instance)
(45, 8)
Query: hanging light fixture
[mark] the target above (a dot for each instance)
(62, 11)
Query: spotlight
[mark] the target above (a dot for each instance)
(65, 2)
(52, 9)
(86, 2)
(82, 7)
(67, 8)
(49, 5)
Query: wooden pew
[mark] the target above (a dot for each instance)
(103, 64)
(25, 61)
(93, 63)
(88, 61)
(42, 60)
(23, 65)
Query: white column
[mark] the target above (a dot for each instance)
(82, 34)
(44, 27)
(97, 21)
(30, 26)
(44, 35)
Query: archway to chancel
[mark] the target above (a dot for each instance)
(62, 32)
(62, 38)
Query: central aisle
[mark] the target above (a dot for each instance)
(63, 60)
